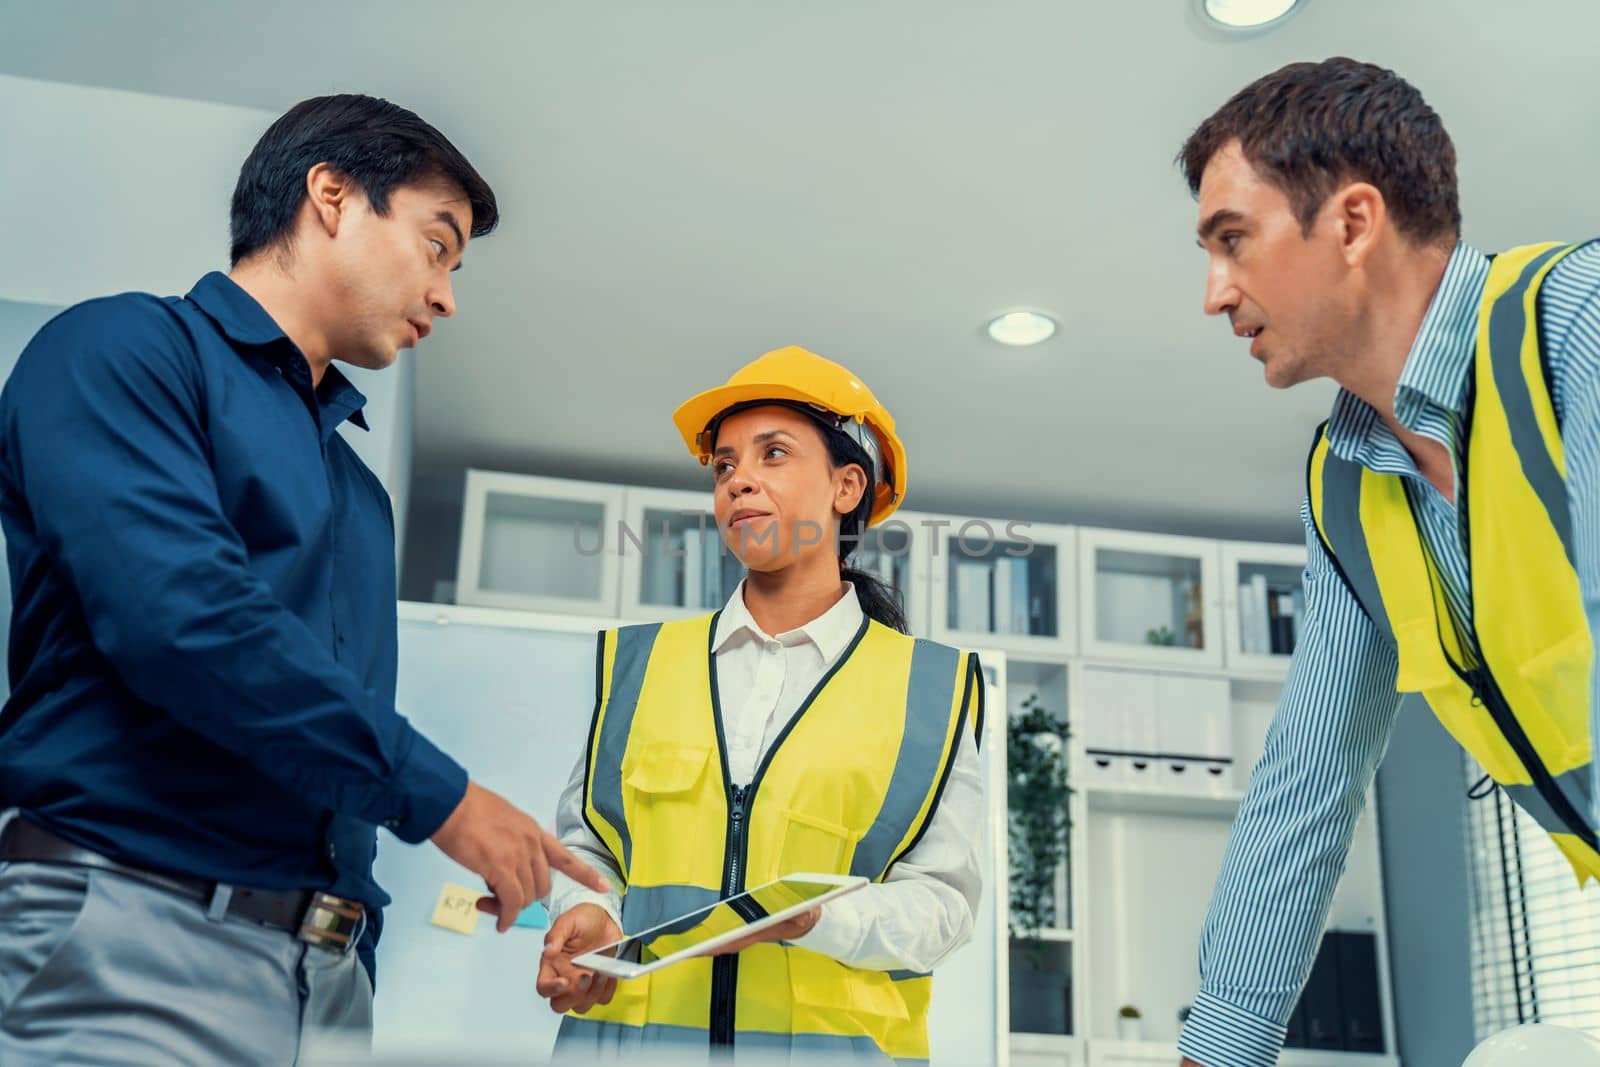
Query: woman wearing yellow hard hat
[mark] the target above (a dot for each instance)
(800, 728)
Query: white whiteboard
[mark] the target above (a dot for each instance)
(513, 705)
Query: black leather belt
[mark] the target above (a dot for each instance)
(319, 918)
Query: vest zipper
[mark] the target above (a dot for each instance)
(725, 969)
(1488, 692)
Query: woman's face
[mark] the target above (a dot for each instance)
(778, 495)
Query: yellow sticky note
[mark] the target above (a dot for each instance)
(457, 909)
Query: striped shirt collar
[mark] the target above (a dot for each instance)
(1431, 398)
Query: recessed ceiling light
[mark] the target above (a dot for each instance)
(1246, 14)
(1022, 328)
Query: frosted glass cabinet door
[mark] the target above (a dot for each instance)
(539, 544)
(1003, 584)
(1150, 598)
(1264, 604)
(675, 563)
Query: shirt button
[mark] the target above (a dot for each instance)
(774, 647)
(393, 824)
(332, 852)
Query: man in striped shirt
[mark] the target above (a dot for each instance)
(1328, 212)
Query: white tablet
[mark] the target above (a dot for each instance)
(759, 908)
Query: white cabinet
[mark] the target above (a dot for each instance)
(1106, 1053)
(603, 551)
(1144, 731)
(539, 544)
(1149, 598)
(674, 562)
(1005, 584)
(1044, 1050)
(1264, 603)
(1194, 735)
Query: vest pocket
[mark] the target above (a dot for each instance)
(815, 845)
(667, 767)
(1559, 680)
(830, 987)
(664, 797)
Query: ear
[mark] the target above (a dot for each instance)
(1360, 218)
(329, 193)
(849, 483)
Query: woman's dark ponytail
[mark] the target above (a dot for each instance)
(879, 601)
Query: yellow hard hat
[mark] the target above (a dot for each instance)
(822, 389)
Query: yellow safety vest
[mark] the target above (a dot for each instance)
(848, 788)
(1515, 692)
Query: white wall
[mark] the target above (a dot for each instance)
(111, 191)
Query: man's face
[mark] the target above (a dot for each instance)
(388, 276)
(1283, 289)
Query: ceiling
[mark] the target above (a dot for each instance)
(685, 186)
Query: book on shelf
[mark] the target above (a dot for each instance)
(694, 564)
(1193, 614)
(714, 594)
(661, 573)
(1261, 636)
(1247, 620)
(1020, 614)
(973, 596)
(1010, 595)
(1339, 1007)
(1281, 609)
(1002, 596)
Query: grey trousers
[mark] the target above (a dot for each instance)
(99, 969)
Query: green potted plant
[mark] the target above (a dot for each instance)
(1036, 798)
(1128, 1023)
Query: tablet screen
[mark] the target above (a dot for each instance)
(692, 929)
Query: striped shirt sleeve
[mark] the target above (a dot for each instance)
(1287, 848)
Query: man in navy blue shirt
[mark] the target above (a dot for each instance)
(201, 738)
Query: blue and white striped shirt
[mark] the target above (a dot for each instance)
(1337, 710)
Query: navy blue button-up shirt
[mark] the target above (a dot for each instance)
(203, 637)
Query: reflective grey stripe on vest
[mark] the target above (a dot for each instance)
(1341, 527)
(920, 762)
(627, 676)
(908, 976)
(592, 1041)
(648, 906)
(1508, 321)
(1575, 784)
(584, 1041)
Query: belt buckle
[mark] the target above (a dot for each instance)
(330, 922)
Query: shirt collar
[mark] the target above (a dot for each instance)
(831, 632)
(244, 321)
(235, 311)
(1435, 372)
(341, 399)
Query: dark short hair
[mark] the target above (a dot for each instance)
(1309, 127)
(379, 145)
